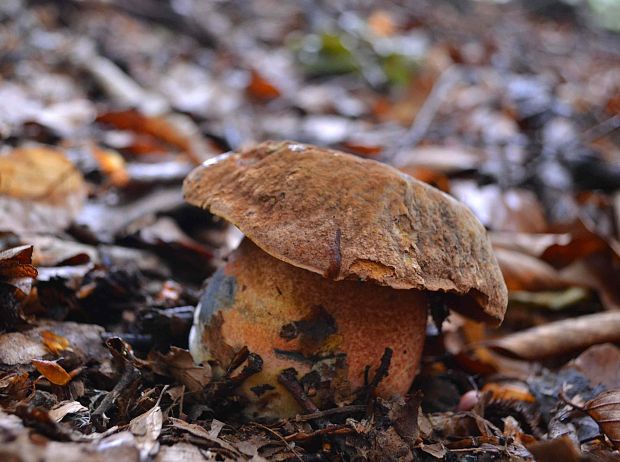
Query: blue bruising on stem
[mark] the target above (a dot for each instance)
(219, 294)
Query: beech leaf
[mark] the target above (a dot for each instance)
(605, 410)
(52, 371)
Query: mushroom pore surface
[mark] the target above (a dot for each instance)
(329, 331)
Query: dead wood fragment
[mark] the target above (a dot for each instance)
(331, 430)
(381, 373)
(560, 337)
(288, 379)
(351, 409)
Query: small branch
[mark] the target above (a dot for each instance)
(427, 112)
(381, 373)
(281, 438)
(352, 409)
(288, 379)
(130, 375)
(332, 430)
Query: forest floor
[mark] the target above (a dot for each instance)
(512, 108)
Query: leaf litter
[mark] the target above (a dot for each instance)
(102, 264)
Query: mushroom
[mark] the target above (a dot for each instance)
(342, 257)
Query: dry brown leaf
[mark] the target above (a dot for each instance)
(16, 263)
(178, 363)
(54, 343)
(429, 176)
(601, 272)
(261, 88)
(524, 272)
(40, 190)
(52, 371)
(112, 165)
(180, 451)
(605, 410)
(560, 337)
(58, 412)
(201, 432)
(146, 428)
(15, 385)
(23, 347)
(441, 159)
(533, 244)
(555, 450)
(154, 133)
(50, 251)
(601, 365)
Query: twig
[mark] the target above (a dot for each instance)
(352, 409)
(427, 112)
(602, 129)
(288, 380)
(381, 373)
(281, 438)
(155, 11)
(130, 375)
(333, 430)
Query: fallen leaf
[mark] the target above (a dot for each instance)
(173, 130)
(23, 347)
(405, 419)
(442, 159)
(533, 244)
(524, 272)
(15, 385)
(58, 412)
(429, 176)
(50, 251)
(40, 190)
(112, 165)
(599, 271)
(200, 432)
(16, 263)
(146, 428)
(178, 363)
(54, 343)
(52, 371)
(601, 365)
(437, 450)
(560, 337)
(261, 88)
(605, 410)
(180, 452)
(559, 449)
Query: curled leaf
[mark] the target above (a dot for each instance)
(16, 263)
(605, 410)
(52, 371)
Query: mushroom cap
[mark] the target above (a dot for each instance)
(350, 218)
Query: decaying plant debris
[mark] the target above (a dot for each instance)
(514, 109)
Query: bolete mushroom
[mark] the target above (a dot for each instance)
(341, 259)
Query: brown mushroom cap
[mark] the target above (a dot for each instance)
(349, 218)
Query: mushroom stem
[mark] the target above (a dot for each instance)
(328, 331)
